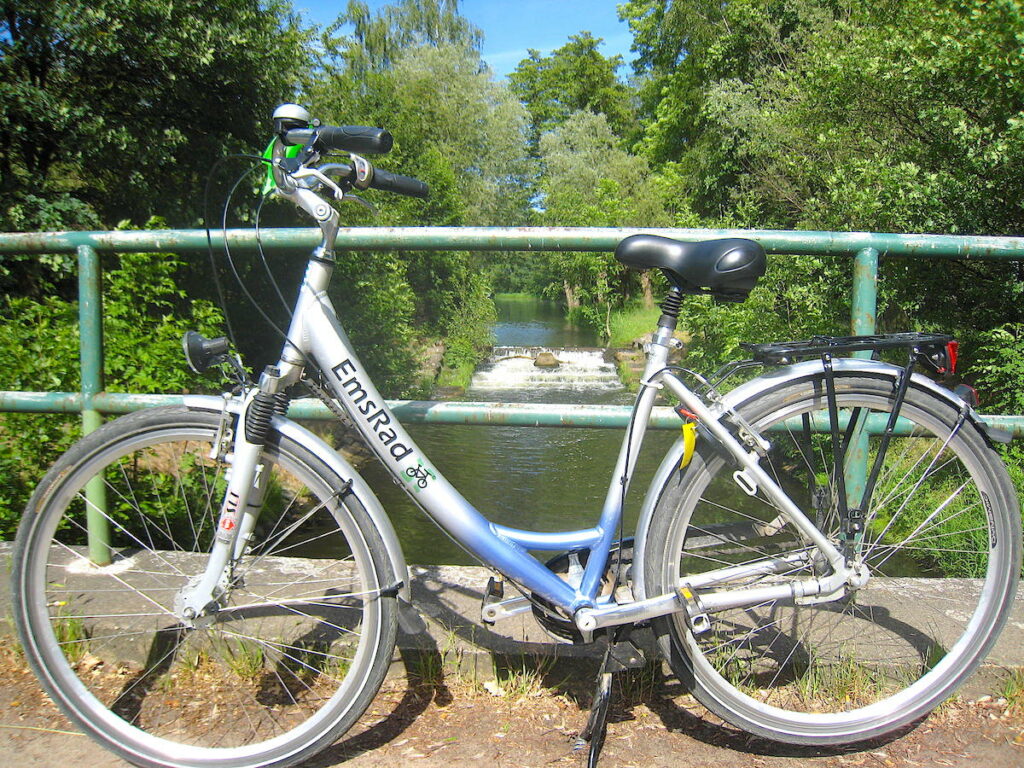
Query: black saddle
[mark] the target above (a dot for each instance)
(728, 269)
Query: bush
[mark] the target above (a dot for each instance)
(145, 316)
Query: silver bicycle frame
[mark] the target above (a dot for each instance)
(316, 335)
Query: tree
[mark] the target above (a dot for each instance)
(415, 69)
(853, 115)
(588, 180)
(574, 77)
(112, 111)
(377, 41)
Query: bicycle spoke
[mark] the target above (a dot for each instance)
(828, 655)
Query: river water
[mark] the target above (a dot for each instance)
(536, 478)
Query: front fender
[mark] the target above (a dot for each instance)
(752, 389)
(341, 468)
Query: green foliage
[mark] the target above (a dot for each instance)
(574, 77)
(631, 323)
(587, 180)
(841, 115)
(101, 100)
(378, 41)
(956, 544)
(798, 297)
(999, 367)
(145, 315)
(449, 111)
(376, 306)
(414, 68)
(1012, 689)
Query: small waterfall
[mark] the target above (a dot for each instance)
(513, 368)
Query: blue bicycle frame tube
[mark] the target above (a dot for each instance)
(317, 332)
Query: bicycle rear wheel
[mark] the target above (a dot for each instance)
(303, 632)
(941, 545)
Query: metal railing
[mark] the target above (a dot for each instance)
(92, 401)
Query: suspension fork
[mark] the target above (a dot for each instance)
(243, 499)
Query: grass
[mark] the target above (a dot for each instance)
(14, 643)
(245, 658)
(429, 668)
(844, 681)
(425, 670)
(631, 323)
(457, 374)
(522, 679)
(959, 533)
(636, 686)
(1012, 690)
(630, 379)
(71, 636)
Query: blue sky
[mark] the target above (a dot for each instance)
(512, 26)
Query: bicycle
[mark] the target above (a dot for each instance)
(194, 632)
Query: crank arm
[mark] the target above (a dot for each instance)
(506, 609)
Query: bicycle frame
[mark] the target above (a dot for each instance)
(316, 335)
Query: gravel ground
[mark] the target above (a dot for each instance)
(534, 722)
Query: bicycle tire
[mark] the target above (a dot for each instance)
(297, 648)
(843, 671)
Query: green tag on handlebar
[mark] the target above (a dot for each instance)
(269, 184)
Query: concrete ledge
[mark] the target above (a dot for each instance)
(455, 641)
(449, 599)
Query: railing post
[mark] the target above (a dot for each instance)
(863, 310)
(90, 340)
(864, 305)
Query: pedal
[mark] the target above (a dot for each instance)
(493, 594)
(495, 590)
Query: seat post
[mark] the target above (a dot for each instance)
(670, 306)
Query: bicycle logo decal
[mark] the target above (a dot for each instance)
(420, 475)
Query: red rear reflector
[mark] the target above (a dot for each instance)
(952, 348)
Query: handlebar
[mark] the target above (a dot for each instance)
(294, 128)
(402, 185)
(342, 138)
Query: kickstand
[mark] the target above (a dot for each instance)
(597, 725)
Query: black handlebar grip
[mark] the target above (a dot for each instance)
(298, 136)
(354, 138)
(402, 185)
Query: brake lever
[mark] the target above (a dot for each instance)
(350, 197)
(314, 173)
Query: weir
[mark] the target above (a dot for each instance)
(514, 368)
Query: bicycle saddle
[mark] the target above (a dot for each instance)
(728, 269)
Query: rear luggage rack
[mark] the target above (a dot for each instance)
(936, 350)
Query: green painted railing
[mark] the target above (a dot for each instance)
(91, 401)
(865, 250)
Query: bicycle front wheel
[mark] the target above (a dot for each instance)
(304, 627)
(941, 547)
